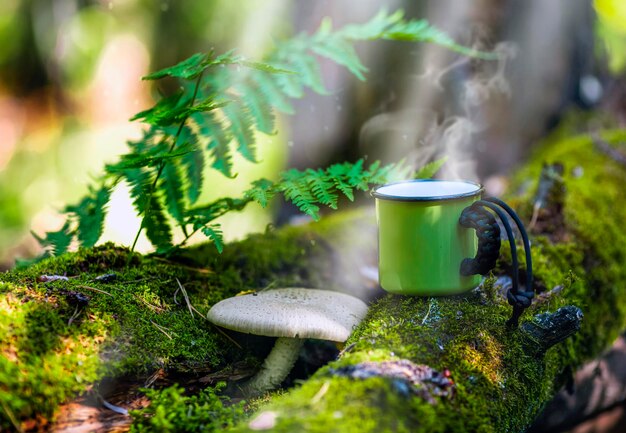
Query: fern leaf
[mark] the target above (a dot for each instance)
(203, 215)
(57, 242)
(322, 188)
(140, 183)
(187, 69)
(276, 97)
(214, 233)
(172, 187)
(218, 144)
(291, 85)
(295, 188)
(241, 128)
(193, 66)
(152, 158)
(338, 173)
(341, 52)
(372, 29)
(193, 165)
(90, 213)
(357, 177)
(430, 169)
(146, 203)
(309, 70)
(261, 192)
(167, 111)
(157, 228)
(258, 106)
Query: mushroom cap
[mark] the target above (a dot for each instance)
(291, 312)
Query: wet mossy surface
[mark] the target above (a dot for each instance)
(501, 382)
(55, 345)
(59, 337)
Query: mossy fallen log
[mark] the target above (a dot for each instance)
(415, 364)
(450, 364)
(69, 321)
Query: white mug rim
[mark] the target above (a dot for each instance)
(385, 196)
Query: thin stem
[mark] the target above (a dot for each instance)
(162, 166)
(188, 236)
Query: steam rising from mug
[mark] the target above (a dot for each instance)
(416, 132)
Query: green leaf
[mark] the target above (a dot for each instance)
(430, 169)
(242, 129)
(261, 191)
(166, 111)
(146, 203)
(273, 93)
(175, 109)
(152, 159)
(140, 183)
(295, 188)
(219, 141)
(187, 69)
(214, 233)
(258, 106)
(157, 228)
(172, 186)
(338, 173)
(341, 52)
(193, 165)
(57, 242)
(322, 188)
(90, 213)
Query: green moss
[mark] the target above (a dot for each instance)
(135, 324)
(172, 411)
(53, 347)
(501, 383)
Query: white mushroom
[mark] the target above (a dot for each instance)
(292, 315)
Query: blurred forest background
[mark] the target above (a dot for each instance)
(70, 80)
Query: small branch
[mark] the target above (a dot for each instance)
(548, 329)
(162, 166)
(608, 150)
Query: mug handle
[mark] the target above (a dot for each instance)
(474, 217)
(488, 234)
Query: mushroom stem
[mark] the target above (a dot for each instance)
(276, 366)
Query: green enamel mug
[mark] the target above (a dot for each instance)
(437, 237)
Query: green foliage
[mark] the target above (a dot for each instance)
(310, 189)
(430, 169)
(223, 102)
(172, 411)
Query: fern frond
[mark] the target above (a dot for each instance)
(276, 97)
(214, 233)
(241, 128)
(57, 243)
(157, 228)
(323, 188)
(218, 141)
(258, 105)
(90, 214)
(193, 165)
(262, 191)
(294, 185)
(155, 156)
(172, 187)
(147, 204)
(187, 69)
(430, 169)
